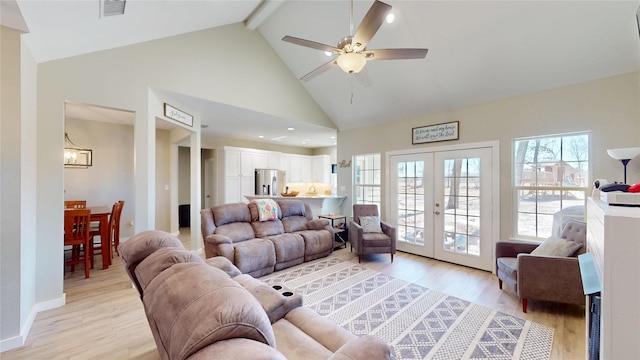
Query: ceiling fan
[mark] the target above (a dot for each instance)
(352, 50)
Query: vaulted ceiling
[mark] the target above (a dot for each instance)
(479, 51)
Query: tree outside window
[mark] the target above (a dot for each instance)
(550, 174)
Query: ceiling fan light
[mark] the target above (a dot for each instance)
(351, 62)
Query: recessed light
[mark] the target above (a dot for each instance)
(260, 137)
(332, 137)
(390, 18)
(290, 129)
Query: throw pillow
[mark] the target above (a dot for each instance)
(370, 224)
(267, 209)
(557, 247)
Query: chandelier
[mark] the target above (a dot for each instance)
(75, 156)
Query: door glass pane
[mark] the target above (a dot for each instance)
(462, 206)
(410, 194)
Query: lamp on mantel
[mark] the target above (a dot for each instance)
(624, 155)
(75, 156)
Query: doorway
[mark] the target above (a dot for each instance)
(443, 204)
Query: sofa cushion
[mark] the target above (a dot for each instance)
(223, 264)
(229, 349)
(294, 223)
(289, 249)
(238, 231)
(190, 306)
(508, 266)
(375, 239)
(267, 228)
(145, 243)
(161, 260)
(255, 257)
(557, 247)
(231, 213)
(292, 208)
(141, 245)
(317, 243)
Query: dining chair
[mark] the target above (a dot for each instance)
(75, 204)
(114, 233)
(116, 229)
(76, 234)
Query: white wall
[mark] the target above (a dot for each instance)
(17, 190)
(609, 108)
(248, 74)
(111, 177)
(11, 255)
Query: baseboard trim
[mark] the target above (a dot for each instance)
(18, 341)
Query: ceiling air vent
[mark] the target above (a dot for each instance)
(112, 7)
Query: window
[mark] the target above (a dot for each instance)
(550, 174)
(366, 179)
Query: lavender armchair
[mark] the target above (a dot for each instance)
(540, 277)
(371, 242)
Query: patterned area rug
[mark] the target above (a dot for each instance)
(419, 323)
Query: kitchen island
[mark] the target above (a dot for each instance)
(319, 204)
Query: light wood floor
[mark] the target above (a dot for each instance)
(104, 317)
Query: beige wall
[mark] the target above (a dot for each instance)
(139, 78)
(163, 176)
(110, 178)
(609, 108)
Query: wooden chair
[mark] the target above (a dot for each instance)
(75, 204)
(114, 233)
(76, 234)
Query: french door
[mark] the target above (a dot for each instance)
(442, 204)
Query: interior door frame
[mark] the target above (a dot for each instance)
(495, 186)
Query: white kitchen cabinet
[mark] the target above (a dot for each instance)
(613, 239)
(260, 160)
(239, 168)
(295, 169)
(320, 169)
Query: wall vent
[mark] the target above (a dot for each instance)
(112, 7)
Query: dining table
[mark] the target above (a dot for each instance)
(101, 214)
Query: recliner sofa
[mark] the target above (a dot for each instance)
(208, 309)
(262, 247)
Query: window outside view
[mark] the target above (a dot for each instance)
(366, 179)
(462, 206)
(550, 174)
(410, 202)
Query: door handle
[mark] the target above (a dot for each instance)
(437, 212)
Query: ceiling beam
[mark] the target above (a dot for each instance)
(262, 12)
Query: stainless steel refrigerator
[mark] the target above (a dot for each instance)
(269, 182)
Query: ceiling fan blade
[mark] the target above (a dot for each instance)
(370, 24)
(363, 77)
(310, 44)
(394, 54)
(319, 70)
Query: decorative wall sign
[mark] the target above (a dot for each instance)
(438, 132)
(345, 163)
(177, 115)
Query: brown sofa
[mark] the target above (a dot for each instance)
(207, 309)
(261, 247)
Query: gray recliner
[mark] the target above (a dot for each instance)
(371, 242)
